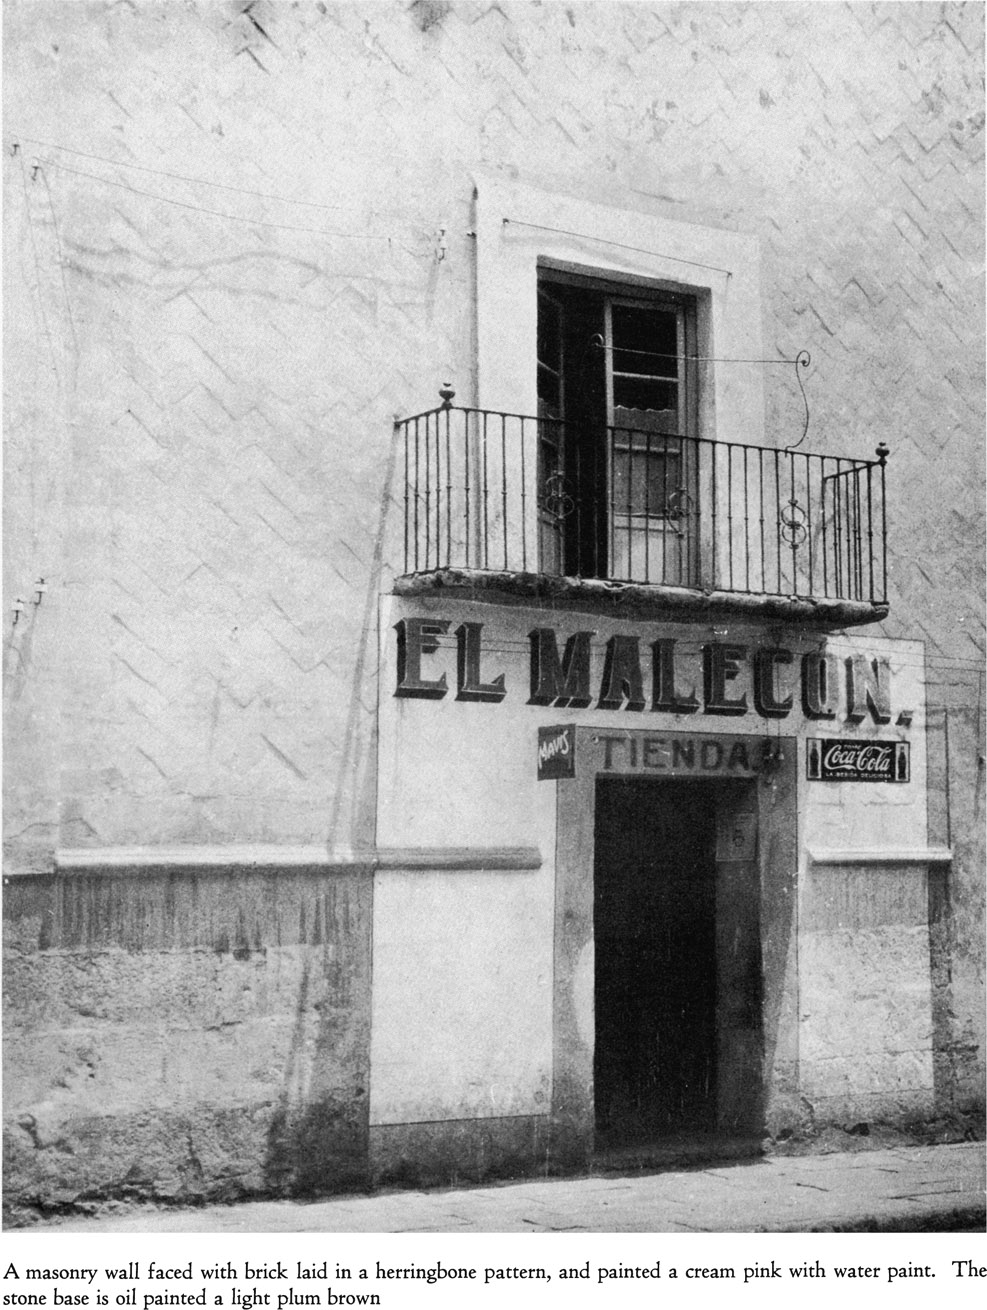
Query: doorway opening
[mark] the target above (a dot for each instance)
(677, 961)
(618, 455)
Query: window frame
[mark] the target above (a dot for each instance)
(522, 228)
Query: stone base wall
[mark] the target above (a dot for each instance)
(186, 1034)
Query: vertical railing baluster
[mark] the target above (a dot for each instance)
(870, 531)
(683, 513)
(777, 526)
(846, 531)
(729, 451)
(600, 536)
(417, 490)
(846, 491)
(647, 507)
(695, 526)
(575, 551)
(851, 563)
(859, 531)
(404, 430)
(855, 523)
(791, 506)
(665, 518)
(714, 452)
(834, 486)
(808, 518)
(747, 536)
(448, 490)
(503, 482)
(838, 520)
(824, 534)
(428, 491)
(882, 453)
(852, 498)
(848, 577)
(486, 533)
(678, 532)
(466, 480)
(760, 506)
(524, 502)
(629, 436)
(438, 488)
(588, 464)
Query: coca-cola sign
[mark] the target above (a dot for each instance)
(837, 759)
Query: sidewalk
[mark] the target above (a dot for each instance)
(908, 1189)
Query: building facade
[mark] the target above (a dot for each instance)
(494, 640)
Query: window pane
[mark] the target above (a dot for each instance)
(642, 337)
(644, 394)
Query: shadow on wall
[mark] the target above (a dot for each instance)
(318, 1138)
(356, 783)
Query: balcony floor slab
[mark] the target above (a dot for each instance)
(639, 601)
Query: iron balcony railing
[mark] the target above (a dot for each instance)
(509, 493)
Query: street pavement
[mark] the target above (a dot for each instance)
(906, 1189)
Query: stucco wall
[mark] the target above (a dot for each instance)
(238, 243)
(462, 775)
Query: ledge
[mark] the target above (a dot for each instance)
(459, 857)
(637, 600)
(882, 858)
(273, 858)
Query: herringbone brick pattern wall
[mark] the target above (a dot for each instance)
(224, 281)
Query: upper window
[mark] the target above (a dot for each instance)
(617, 407)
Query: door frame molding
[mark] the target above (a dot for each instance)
(777, 862)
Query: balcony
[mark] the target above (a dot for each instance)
(644, 524)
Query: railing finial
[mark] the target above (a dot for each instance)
(882, 454)
(447, 391)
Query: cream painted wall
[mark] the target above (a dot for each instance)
(864, 958)
(461, 1020)
(448, 1017)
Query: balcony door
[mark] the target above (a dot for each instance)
(618, 469)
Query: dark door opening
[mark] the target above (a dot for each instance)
(618, 463)
(661, 1028)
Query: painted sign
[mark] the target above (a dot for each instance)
(835, 759)
(662, 675)
(557, 752)
(680, 756)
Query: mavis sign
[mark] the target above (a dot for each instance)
(719, 678)
(557, 752)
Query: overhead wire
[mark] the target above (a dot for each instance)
(216, 213)
(179, 177)
(192, 181)
(695, 359)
